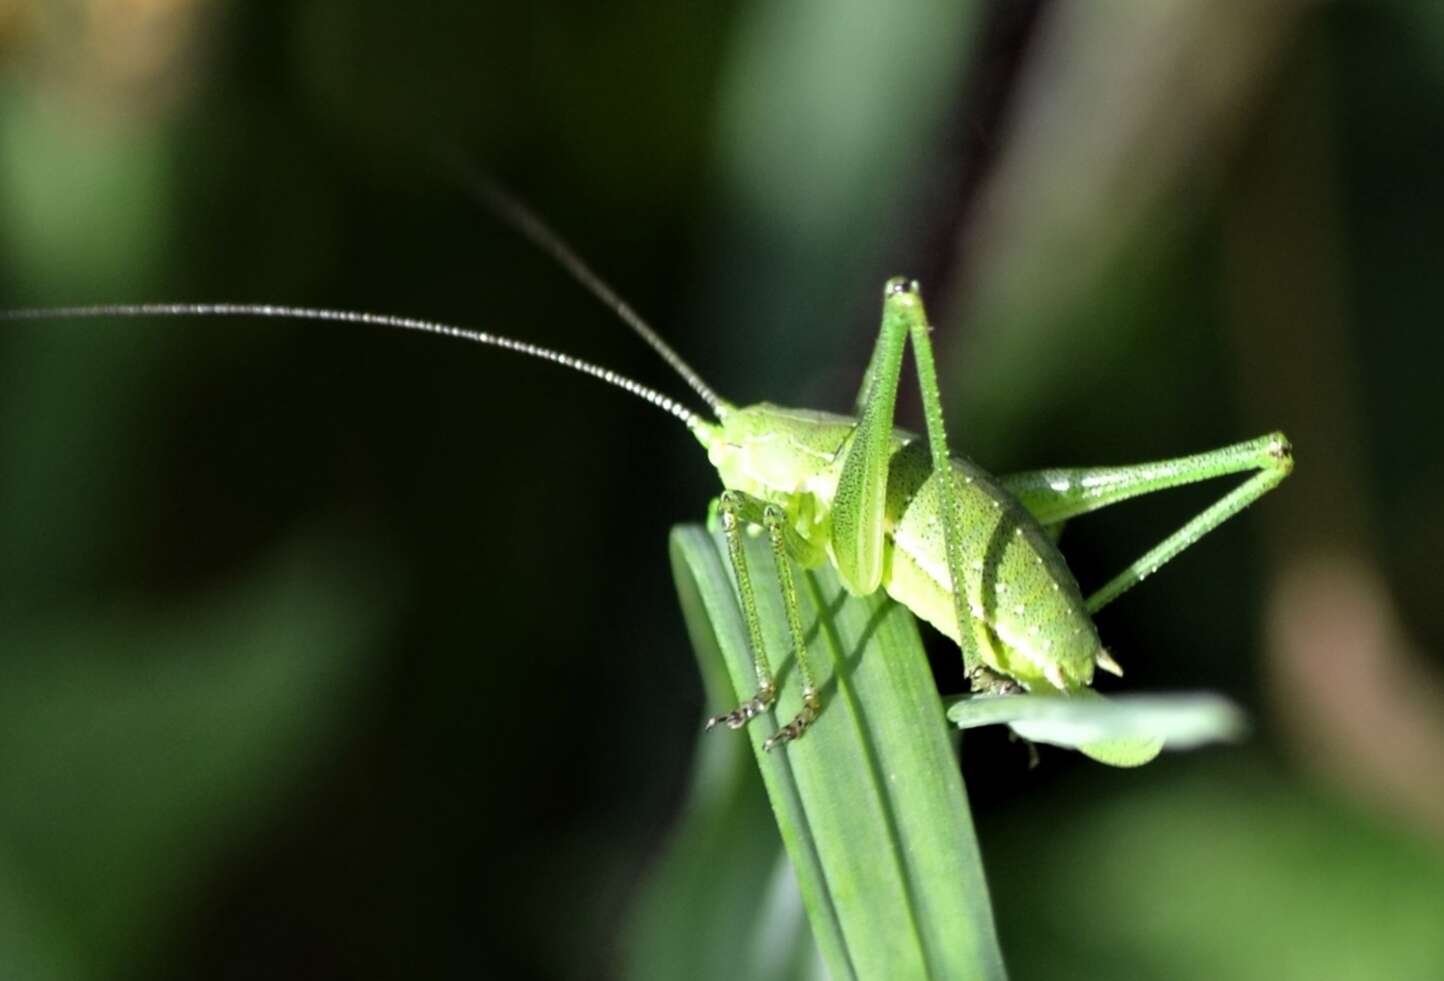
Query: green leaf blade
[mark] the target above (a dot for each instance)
(870, 802)
(1120, 730)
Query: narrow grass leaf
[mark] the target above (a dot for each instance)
(870, 802)
(722, 902)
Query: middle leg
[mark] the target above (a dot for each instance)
(858, 533)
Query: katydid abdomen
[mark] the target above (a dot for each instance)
(1028, 617)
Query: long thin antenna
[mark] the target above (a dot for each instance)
(357, 317)
(525, 221)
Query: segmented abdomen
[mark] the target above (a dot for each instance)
(1027, 611)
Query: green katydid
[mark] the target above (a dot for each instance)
(972, 554)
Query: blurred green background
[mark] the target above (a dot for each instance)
(329, 652)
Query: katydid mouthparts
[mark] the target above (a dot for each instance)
(971, 553)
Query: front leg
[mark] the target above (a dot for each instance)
(738, 510)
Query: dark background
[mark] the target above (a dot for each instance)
(335, 652)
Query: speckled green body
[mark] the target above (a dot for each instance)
(963, 550)
(1028, 615)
